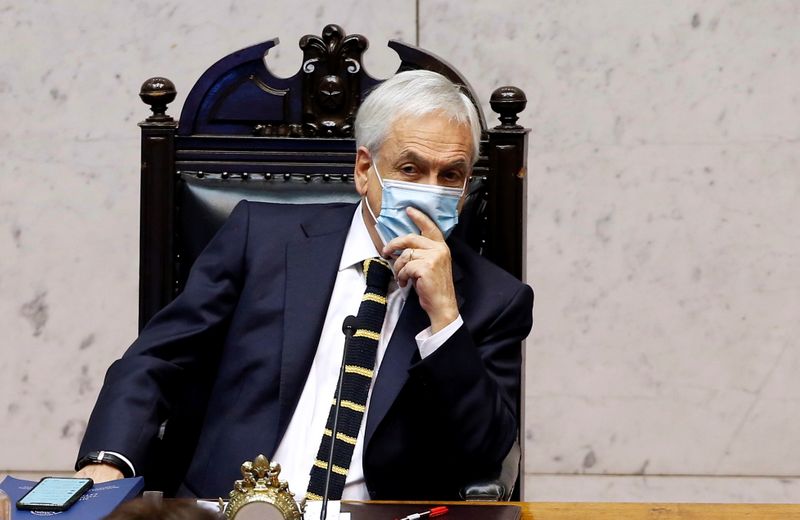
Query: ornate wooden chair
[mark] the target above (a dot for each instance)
(246, 134)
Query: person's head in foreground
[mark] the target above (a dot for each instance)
(143, 509)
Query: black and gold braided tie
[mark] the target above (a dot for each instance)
(359, 365)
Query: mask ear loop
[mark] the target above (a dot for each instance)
(377, 173)
(372, 213)
(464, 187)
(380, 181)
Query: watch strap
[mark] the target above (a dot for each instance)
(104, 457)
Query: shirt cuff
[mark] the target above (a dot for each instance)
(428, 343)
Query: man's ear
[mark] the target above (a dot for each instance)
(361, 170)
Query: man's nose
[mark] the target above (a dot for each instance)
(432, 178)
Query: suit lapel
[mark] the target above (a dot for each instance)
(393, 372)
(311, 267)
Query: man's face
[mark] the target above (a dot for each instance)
(430, 149)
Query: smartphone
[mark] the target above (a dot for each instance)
(54, 493)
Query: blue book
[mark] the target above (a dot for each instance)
(96, 503)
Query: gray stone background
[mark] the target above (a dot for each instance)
(662, 225)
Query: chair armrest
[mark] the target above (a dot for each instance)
(498, 488)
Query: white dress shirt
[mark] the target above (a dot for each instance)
(298, 448)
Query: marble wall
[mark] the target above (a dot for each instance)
(662, 218)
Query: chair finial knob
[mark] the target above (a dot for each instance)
(508, 102)
(158, 93)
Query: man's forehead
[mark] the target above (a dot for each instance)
(433, 133)
(435, 119)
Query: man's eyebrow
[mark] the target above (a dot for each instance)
(458, 164)
(412, 156)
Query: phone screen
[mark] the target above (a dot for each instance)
(54, 493)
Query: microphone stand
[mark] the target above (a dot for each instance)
(348, 327)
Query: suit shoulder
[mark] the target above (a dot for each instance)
(270, 211)
(483, 273)
(271, 224)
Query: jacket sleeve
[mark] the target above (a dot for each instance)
(182, 337)
(473, 380)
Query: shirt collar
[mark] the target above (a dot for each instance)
(358, 245)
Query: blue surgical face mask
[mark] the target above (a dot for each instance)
(438, 202)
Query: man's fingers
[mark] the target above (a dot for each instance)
(427, 227)
(430, 236)
(408, 242)
(409, 271)
(405, 257)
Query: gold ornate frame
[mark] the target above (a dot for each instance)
(260, 489)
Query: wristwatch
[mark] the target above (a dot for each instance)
(104, 457)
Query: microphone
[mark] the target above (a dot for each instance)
(348, 328)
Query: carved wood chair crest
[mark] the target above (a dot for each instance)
(330, 92)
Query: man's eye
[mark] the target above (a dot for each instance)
(408, 169)
(452, 176)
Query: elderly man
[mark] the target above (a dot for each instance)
(432, 370)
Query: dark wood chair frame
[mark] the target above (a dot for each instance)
(244, 133)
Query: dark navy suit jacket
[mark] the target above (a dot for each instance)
(244, 333)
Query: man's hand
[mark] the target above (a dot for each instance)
(100, 473)
(426, 260)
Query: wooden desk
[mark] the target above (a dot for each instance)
(629, 511)
(639, 511)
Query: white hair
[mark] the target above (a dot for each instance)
(413, 93)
